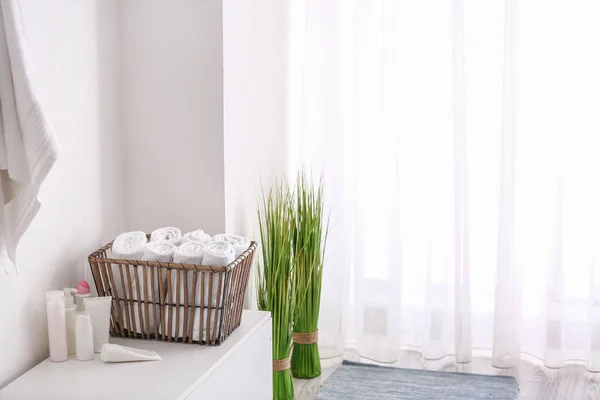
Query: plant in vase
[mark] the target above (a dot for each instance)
(309, 240)
(276, 283)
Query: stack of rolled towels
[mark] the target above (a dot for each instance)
(169, 245)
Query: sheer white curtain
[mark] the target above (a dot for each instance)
(460, 145)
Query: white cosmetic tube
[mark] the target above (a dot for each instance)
(99, 310)
(116, 353)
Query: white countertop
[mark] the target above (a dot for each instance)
(182, 369)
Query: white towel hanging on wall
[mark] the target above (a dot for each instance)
(28, 147)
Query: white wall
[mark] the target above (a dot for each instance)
(134, 90)
(255, 105)
(73, 50)
(173, 122)
(255, 88)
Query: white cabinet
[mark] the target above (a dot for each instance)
(240, 368)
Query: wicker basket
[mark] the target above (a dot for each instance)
(172, 302)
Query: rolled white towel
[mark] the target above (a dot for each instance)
(189, 253)
(168, 234)
(215, 254)
(182, 255)
(239, 243)
(196, 327)
(129, 245)
(159, 250)
(197, 236)
(218, 254)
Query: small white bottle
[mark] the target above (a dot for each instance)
(84, 337)
(57, 330)
(70, 314)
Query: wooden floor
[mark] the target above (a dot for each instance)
(571, 382)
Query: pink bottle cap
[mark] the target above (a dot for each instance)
(83, 287)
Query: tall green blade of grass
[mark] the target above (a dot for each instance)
(309, 240)
(276, 283)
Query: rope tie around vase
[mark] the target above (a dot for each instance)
(282, 365)
(305, 338)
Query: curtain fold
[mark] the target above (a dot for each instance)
(461, 192)
(464, 201)
(506, 350)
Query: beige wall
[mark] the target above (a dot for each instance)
(172, 83)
